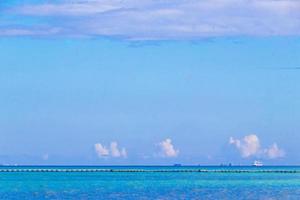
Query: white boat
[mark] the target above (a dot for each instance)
(257, 163)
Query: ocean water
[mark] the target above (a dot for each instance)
(151, 183)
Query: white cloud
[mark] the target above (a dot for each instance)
(274, 152)
(167, 148)
(101, 150)
(114, 151)
(250, 146)
(167, 19)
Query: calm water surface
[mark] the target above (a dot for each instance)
(151, 185)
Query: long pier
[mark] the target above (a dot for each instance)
(148, 171)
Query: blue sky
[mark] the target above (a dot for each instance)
(169, 87)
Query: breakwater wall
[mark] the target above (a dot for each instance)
(149, 171)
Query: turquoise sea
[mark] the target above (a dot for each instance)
(145, 182)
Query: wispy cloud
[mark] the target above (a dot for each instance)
(69, 8)
(168, 149)
(114, 150)
(22, 31)
(164, 19)
(250, 146)
(288, 68)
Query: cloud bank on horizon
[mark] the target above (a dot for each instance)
(152, 20)
(250, 146)
(167, 150)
